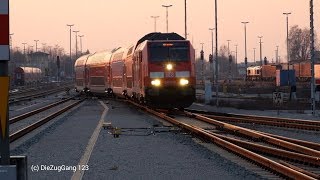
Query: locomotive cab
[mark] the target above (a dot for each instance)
(170, 78)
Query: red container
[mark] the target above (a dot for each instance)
(268, 71)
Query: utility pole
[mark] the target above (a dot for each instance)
(202, 59)
(228, 47)
(80, 36)
(216, 70)
(76, 32)
(43, 47)
(277, 55)
(230, 64)
(185, 19)
(211, 65)
(24, 49)
(254, 56)
(236, 59)
(155, 22)
(288, 53)
(245, 45)
(36, 45)
(260, 50)
(71, 62)
(167, 17)
(313, 102)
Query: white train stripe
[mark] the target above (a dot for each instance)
(4, 52)
(4, 6)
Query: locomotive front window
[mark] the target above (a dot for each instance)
(168, 52)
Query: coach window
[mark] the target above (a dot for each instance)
(249, 72)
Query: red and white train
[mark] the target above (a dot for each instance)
(158, 70)
(27, 75)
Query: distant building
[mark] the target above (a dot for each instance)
(39, 60)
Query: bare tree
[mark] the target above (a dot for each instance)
(299, 43)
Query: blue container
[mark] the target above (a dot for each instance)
(282, 78)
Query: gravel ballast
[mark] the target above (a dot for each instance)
(163, 155)
(62, 143)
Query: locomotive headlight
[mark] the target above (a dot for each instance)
(156, 82)
(169, 67)
(184, 82)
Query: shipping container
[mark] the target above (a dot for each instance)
(268, 71)
(305, 70)
(296, 68)
(282, 78)
(317, 71)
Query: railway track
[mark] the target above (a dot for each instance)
(25, 97)
(26, 89)
(33, 112)
(289, 158)
(29, 128)
(263, 120)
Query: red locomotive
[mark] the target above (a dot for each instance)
(157, 70)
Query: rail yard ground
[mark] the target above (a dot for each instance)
(110, 139)
(147, 148)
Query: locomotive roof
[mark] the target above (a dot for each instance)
(160, 36)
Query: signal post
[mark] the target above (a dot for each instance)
(4, 82)
(8, 169)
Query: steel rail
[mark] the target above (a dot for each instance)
(266, 118)
(266, 122)
(300, 170)
(31, 113)
(308, 144)
(271, 151)
(258, 135)
(16, 135)
(41, 94)
(23, 89)
(277, 167)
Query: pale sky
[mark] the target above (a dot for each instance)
(106, 24)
